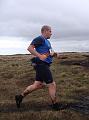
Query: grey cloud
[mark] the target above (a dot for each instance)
(68, 18)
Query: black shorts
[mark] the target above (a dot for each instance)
(43, 73)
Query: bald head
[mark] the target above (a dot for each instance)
(46, 31)
(45, 28)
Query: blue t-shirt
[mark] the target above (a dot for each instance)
(42, 46)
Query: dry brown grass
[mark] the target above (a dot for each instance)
(72, 81)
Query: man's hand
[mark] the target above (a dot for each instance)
(42, 57)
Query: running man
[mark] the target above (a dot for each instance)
(41, 48)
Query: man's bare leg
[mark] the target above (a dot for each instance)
(52, 92)
(36, 85)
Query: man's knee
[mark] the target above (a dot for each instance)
(52, 85)
(37, 85)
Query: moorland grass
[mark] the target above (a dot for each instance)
(72, 81)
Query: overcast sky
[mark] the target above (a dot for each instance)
(69, 19)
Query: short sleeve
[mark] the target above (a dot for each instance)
(37, 42)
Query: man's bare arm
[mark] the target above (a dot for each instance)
(35, 53)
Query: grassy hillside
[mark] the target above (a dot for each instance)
(71, 73)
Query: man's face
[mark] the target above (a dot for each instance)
(48, 33)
